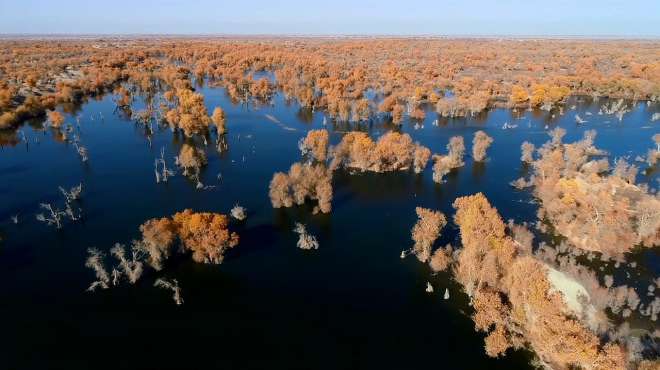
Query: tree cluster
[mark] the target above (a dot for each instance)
(595, 207)
(302, 182)
(516, 299)
(392, 152)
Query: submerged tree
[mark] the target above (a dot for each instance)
(303, 181)
(441, 167)
(158, 236)
(443, 164)
(83, 153)
(515, 300)
(160, 168)
(56, 119)
(191, 159)
(218, 119)
(456, 150)
(191, 115)
(53, 217)
(95, 262)
(392, 152)
(239, 213)
(315, 145)
(527, 149)
(480, 144)
(132, 268)
(426, 231)
(397, 114)
(172, 285)
(421, 157)
(72, 194)
(305, 240)
(441, 258)
(594, 209)
(653, 155)
(205, 234)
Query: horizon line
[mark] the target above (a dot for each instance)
(8, 35)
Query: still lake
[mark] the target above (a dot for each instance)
(351, 304)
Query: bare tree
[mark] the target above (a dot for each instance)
(172, 285)
(305, 240)
(82, 152)
(95, 262)
(239, 213)
(116, 275)
(72, 194)
(54, 216)
(160, 168)
(132, 267)
(579, 119)
(74, 215)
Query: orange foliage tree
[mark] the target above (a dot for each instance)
(56, 118)
(393, 151)
(218, 119)
(480, 144)
(304, 181)
(514, 300)
(205, 234)
(426, 231)
(315, 144)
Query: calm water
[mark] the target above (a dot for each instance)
(351, 304)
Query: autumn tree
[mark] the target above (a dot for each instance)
(191, 112)
(397, 113)
(594, 208)
(527, 149)
(333, 75)
(443, 164)
(393, 151)
(480, 144)
(515, 301)
(441, 258)
(315, 145)
(653, 155)
(55, 118)
(190, 159)
(441, 167)
(456, 150)
(302, 182)
(7, 120)
(487, 250)
(519, 95)
(218, 119)
(205, 234)
(426, 231)
(421, 157)
(158, 236)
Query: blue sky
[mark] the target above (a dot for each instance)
(402, 17)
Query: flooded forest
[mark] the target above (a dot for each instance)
(329, 203)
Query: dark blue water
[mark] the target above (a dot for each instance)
(351, 304)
